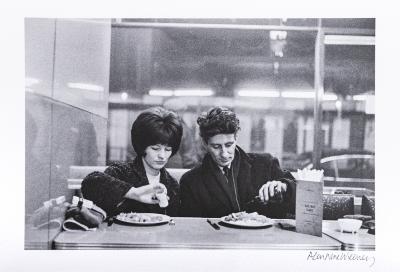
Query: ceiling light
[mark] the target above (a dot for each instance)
(360, 97)
(277, 35)
(85, 86)
(349, 40)
(258, 93)
(298, 94)
(193, 92)
(161, 92)
(330, 97)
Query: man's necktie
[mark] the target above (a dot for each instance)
(227, 174)
(232, 187)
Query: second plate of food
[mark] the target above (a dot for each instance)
(246, 220)
(142, 219)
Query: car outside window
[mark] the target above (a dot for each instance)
(352, 167)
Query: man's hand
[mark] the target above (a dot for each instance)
(147, 194)
(272, 190)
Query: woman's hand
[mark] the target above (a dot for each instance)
(147, 194)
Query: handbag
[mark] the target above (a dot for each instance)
(83, 214)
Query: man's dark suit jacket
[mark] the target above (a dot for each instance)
(204, 194)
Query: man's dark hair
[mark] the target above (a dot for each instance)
(156, 126)
(217, 120)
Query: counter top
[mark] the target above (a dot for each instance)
(361, 240)
(192, 233)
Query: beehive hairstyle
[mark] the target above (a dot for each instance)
(156, 126)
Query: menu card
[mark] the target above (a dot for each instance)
(309, 202)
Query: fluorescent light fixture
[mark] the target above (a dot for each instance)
(193, 92)
(277, 35)
(349, 40)
(330, 97)
(363, 97)
(161, 92)
(360, 97)
(85, 86)
(258, 93)
(29, 81)
(298, 94)
(182, 92)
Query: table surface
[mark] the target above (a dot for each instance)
(360, 240)
(192, 233)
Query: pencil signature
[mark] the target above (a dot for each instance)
(341, 256)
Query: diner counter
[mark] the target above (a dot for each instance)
(192, 233)
(361, 240)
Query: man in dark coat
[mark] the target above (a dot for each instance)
(230, 180)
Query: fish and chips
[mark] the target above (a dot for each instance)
(133, 217)
(247, 219)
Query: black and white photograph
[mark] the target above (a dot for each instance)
(200, 133)
(214, 137)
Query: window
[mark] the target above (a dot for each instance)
(266, 75)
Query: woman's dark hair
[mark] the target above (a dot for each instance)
(156, 126)
(217, 120)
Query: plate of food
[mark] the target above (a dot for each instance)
(247, 220)
(142, 219)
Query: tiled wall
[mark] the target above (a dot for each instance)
(67, 66)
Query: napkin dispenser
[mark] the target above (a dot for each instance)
(309, 202)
